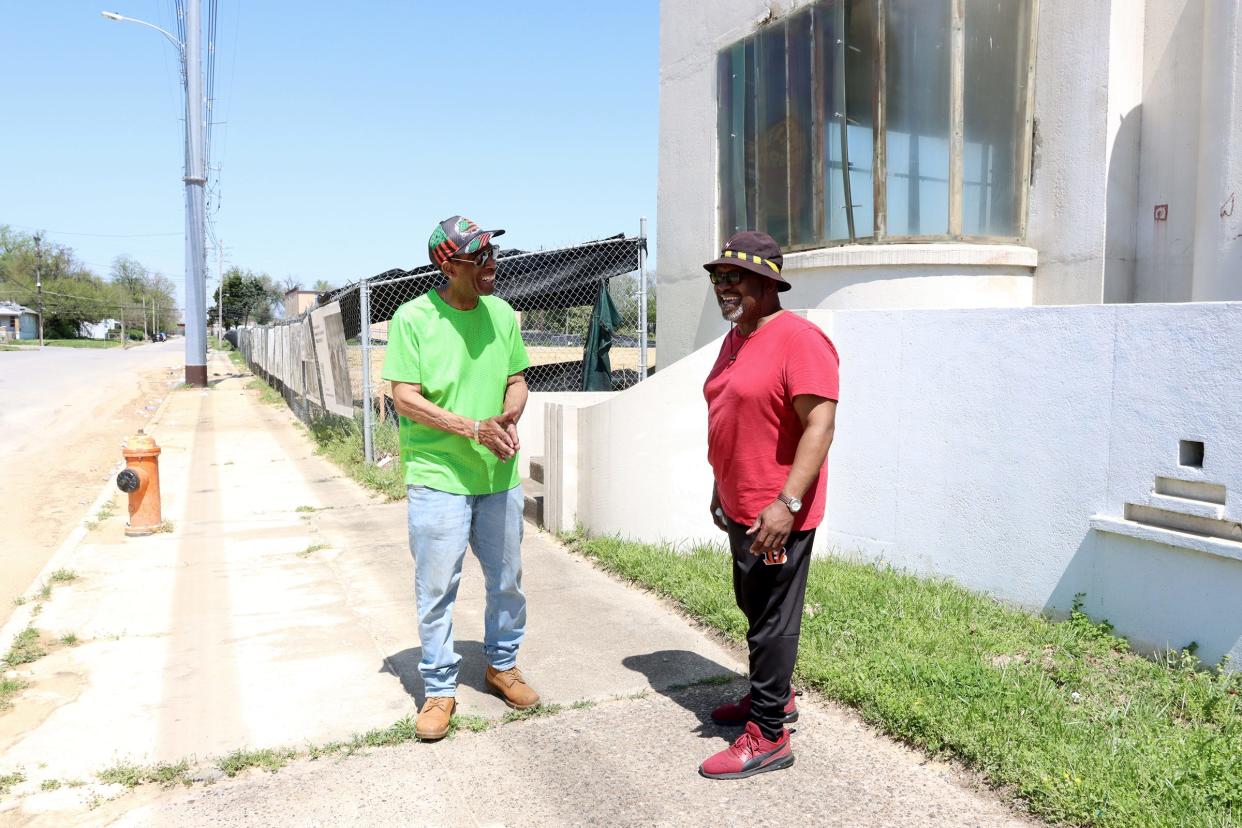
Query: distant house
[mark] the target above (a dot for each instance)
(18, 322)
(298, 302)
(98, 330)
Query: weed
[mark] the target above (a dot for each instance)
(269, 759)
(468, 721)
(26, 648)
(582, 704)
(536, 712)
(45, 592)
(168, 774)
(305, 508)
(123, 773)
(63, 576)
(69, 639)
(167, 527)
(19, 600)
(8, 780)
(267, 394)
(312, 549)
(340, 440)
(49, 785)
(10, 687)
(74, 783)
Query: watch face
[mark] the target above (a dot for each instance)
(795, 504)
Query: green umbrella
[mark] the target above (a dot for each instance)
(596, 366)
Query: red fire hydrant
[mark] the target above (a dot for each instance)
(140, 479)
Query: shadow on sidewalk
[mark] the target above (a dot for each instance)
(688, 679)
(471, 671)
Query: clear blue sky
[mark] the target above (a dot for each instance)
(351, 128)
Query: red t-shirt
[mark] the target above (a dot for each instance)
(752, 427)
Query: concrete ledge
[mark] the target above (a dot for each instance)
(1168, 537)
(939, 253)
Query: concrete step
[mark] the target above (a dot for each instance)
(536, 469)
(533, 510)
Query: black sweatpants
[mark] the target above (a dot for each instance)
(771, 597)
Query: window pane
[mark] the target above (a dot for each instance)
(828, 34)
(997, 45)
(917, 68)
(859, 61)
(773, 135)
(736, 129)
(802, 231)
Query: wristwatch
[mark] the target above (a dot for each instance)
(792, 503)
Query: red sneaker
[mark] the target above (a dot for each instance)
(738, 712)
(750, 754)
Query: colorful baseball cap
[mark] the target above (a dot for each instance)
(457, 234)
(757, 252)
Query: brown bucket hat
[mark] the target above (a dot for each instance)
(753, 251)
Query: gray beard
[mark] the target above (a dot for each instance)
(733, 315)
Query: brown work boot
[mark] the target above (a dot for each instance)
(512, 688)
(433, 719)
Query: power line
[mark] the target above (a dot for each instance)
(97, 235)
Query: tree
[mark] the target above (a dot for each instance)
(247, 298)
(322, 286)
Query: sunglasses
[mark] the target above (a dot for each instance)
(479, 259)
(729, 277)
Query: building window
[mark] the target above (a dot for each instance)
(879, 120)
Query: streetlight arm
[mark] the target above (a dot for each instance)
(119, 18)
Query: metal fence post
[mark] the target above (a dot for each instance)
(642, 299)
(364, 301)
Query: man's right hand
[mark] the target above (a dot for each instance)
(494, 434)
(717, 512)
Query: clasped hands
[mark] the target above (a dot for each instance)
(499, 434)
(771, 528)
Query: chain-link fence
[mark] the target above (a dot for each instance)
(583, 311)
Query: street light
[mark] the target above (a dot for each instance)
(195, 179)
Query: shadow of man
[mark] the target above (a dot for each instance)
(696, 683)
(471, 671)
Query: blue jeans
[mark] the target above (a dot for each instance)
(440, 526)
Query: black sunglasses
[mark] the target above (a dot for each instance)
(479, 259)
(729, 277)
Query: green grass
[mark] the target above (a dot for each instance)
(10, 687)
(535, 712)
(49, 785)
(69, 639)
(69, 343)
(1059, 713)
(235, 357)
(123, 773)
(267, 394)
(63, 576)
(340, 440)
(131, 775)
(25, 649)
(44, 592)
(305, 508)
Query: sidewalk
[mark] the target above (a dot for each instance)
(258, 623)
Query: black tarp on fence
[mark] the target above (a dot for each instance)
(563, 278)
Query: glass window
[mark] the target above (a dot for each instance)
(995, 115)
(798, 103)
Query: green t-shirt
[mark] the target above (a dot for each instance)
(462, 360)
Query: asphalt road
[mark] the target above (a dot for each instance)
(45, 389)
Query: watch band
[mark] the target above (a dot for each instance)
(476, 431)
(789, 502)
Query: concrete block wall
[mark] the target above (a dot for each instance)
(1001, 448)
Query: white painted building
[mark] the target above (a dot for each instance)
(1027, 280)
(1001, 153)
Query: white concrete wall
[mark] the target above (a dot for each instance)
(531, 426)
(979, 445)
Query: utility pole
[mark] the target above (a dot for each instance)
(144, 319)
(220, 298)
(195, 216)
(38, 239)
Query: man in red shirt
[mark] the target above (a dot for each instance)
(771, 411)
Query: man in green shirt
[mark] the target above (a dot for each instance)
(455, 359)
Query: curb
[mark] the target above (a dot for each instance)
(23, 615)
